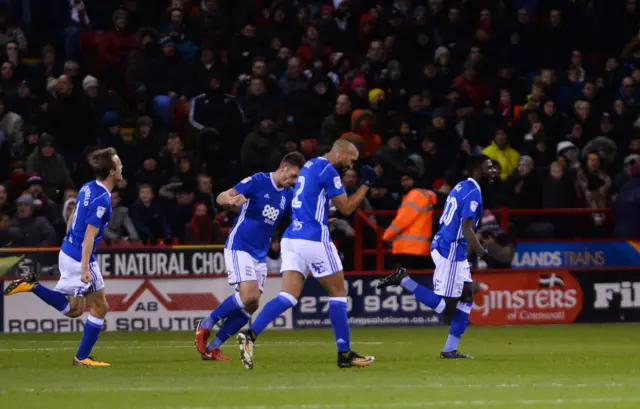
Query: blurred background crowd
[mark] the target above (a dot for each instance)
(197, 94)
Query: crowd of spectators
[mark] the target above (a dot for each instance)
(195, 95)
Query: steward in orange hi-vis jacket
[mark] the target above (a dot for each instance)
(412, 229)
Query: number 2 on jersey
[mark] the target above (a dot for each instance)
(296, 203)
(449, 209)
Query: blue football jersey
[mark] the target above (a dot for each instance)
(464, 202)
(266, 205)
(317, 184)
(93, 207)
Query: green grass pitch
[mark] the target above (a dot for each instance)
(580, 366)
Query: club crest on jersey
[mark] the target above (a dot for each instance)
(473, 205)
(283, 202)
(337, 182)
(100, 211)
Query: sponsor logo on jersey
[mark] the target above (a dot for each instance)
(526, 298)
(270, 214)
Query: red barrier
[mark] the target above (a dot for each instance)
(364, 224)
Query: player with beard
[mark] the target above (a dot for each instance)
(453, 288)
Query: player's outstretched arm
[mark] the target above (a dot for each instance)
(230, 199)
(87, 249)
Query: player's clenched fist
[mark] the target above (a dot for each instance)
(238, 200)
(85, 277)
(369, 175)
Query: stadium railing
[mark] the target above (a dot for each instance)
(364, 225)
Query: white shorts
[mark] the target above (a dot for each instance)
(449, 276)
(242, 267)
(299, 255)
(70, 273)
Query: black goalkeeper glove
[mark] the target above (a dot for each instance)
(369, 175)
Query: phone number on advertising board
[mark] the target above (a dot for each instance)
(368, 297)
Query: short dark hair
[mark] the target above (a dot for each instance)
(475, 162)
(102, 162)
(295, 159)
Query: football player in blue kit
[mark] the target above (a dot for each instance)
(80, 276)
(263, 199)
(307, 247)
(453, 288)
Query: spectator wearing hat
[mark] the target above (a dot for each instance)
(392, 156)
(625, 174)
(411, 230)
(148, 216)
(362, 133)
(144, 140)
(185, 48)
(163, 79)
(26, 103)
(202, 69)
(358, 94)
(46, 161)
(440, 131)
(378, 105)
(472, 86)
(28, 230)
(501, 152)
(626, 205)
(98, 102)
(262, 149)
(120, 227)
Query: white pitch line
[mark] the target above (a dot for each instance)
(430, 404)
(238, 388)
(148, 345)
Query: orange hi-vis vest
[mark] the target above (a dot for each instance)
(412, 228)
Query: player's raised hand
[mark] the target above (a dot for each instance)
(85, 277)
(369, 175)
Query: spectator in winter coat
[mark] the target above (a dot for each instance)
(501, 152)
(117, 43)
(148, 217)
(335, 125)
(625, 208)
(12, 127)
(362, 135)
(120, 227)
(70, 121)
(27, 230)
(10, 32)
(201, 229)
(47, 162)
(262, 149)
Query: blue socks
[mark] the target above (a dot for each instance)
(340, 323)
(273, 310)
(424, 295)
(53, 298)
(230, 305)
(92, 328)
(231, 325)
(459, 323)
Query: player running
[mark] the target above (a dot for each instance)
(264, 198)
(306, 246)
(80, 276)
(453, 288)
